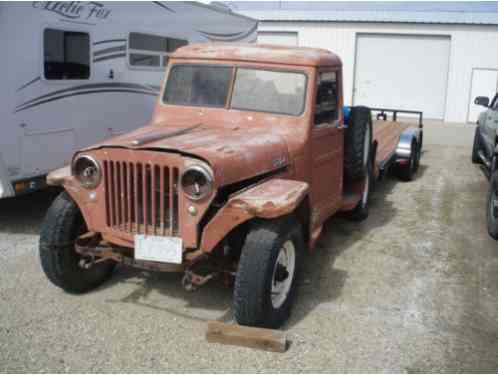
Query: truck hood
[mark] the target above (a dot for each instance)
(235, 153)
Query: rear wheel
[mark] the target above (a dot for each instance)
(59, 259)
(492, 207)
(360, 212)
(265, 283)
(475, 148)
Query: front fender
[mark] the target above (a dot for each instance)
(404, 148)
(269, 200)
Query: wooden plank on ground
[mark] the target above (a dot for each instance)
(251, 337)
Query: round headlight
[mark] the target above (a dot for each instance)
(87, 171)
(197, 182)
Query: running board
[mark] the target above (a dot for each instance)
(483, 159)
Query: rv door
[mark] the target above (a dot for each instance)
(49, 140)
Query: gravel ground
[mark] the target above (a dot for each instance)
(414, 288)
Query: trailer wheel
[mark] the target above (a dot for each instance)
(475, 147)
(407, 171)
(265, 283)
(492, 207)
(418, 154)
(59, 260)
(357, 145)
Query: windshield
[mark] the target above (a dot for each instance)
(253, 89)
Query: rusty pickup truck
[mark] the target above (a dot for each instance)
(247, 154)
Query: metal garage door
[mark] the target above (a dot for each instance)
(282, 38)
(402, 71)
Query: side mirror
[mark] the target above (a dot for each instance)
(482, 100)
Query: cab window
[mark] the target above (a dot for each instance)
(66, 54)
(326, 102)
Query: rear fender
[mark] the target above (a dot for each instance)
(404, 148)
(269, 200)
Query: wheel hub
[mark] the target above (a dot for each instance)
(283, 274)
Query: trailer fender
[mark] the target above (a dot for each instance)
(6, 189)
(404, 148)
(269, 200)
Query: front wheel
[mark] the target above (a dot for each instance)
(59, 259)
(492, 207)
(265, 283)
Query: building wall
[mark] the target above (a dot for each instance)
(472, 46)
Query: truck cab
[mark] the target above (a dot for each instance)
(245, 157)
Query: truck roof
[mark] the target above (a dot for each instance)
(261, 53)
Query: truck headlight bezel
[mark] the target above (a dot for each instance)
(87, 170)
(197, 182)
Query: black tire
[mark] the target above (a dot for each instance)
(418, 155)
(360, 212)
(359, 128)
(492, 207)
(253, 305)
(406, 172)
(59, 260)
(475, 147)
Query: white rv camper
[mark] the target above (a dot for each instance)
(74, 73)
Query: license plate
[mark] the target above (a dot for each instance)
(158, 249)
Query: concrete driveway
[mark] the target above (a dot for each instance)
(413, 288)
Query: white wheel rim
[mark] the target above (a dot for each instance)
(280, 288)
(366, 146)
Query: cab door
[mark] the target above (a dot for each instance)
(327, 146)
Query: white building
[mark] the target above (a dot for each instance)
(434, 57)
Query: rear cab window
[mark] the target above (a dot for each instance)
(326, 102)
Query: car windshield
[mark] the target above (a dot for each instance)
(253, 90)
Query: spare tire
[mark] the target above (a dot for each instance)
(357, 143)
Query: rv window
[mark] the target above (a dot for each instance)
(147, 42)
(66, 54)
(138, 59)
(147, 50)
